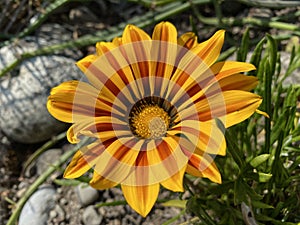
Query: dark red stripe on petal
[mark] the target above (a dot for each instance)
(163, 150)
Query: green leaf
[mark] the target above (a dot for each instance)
(233, 148)
(281, 123)
(256, 56)
(175, 203)
(264, 177)
(244, 49)
(272, 50)
(242, 192)
(194, 205)
(259, 160)
(261, 205)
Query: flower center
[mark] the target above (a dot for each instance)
(148, 120)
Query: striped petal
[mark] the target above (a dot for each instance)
(118, 161)
(175, 182)
(163, 53)
(103, 128)
(188, 40)
(231, 107)
(157, 161)
(83, 160)
(238, 82)
(104, 47)
(117, 67)
(195, 63)
(84, 63)
(209, 50)
(134, 34)
(101, 183)
(166, 159)
(203, 166)
(72, 100)
(232, 82)
(141, 198)
(166, 32)
(205, 136)
(224, 69)
(136, 43)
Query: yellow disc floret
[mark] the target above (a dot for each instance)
(151, 122)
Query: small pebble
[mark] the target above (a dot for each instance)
(91, 217)
(86, 194)
(52, 214)
(63, 201)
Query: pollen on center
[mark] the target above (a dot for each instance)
(151, 122)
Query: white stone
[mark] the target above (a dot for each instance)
(91, 217)
(37, 208)
(86, 194)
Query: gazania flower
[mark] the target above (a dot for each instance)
(155, 109)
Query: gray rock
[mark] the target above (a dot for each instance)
(23, 92)
(86, 194)
(37, 208)
(91, 217)
(47, 159)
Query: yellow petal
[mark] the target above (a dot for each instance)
(224, 69)
(100, 183)
(231, 107)
(164, 160)
(84, 63)
(136, 50)
(77, 167)
(103, 47)
(175, 182)
(117, 41)
(133, 34)
(83, 160)
(118, 159)
(117, 72)
(165, 31)
(203, 166)
(72, 100)
(232, 82)
(209, 50)
(202, 136)
(262, 113)
(163, 54)
(194, 64)
(104, 128)
(188, 40)
(141, 198)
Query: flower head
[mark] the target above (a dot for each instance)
(154, 108)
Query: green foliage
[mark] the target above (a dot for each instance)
(262, 167)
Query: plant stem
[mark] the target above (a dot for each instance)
(270, 23)
(43, 148)
(105, 35)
